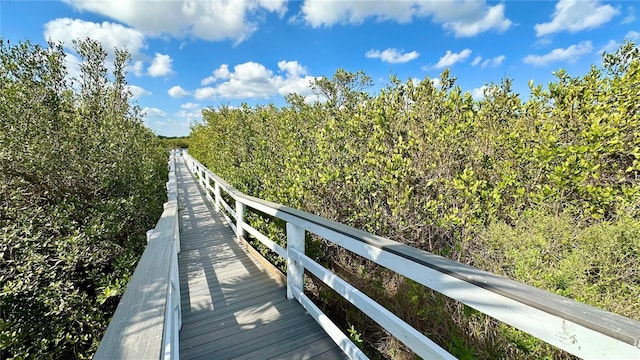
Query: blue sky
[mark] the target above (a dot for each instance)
(191, 54)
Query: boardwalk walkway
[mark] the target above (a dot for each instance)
(232, 307)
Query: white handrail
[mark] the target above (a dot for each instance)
(173, 312)
(148, 318)
(577, 328)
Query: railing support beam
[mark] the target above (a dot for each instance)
(217, 196)
(240, 208)
(295, 270)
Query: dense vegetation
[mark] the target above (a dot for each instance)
(81, 180)
(174, 142)
(543, 190)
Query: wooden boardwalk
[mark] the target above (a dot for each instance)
(232, 307)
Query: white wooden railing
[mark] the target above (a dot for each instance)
(148, 318)
(579, 329)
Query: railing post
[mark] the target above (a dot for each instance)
(218, 195)
(176, 233)
(295, 271)
(240, 207)
(207, 182)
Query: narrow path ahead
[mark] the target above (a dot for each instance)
(232, 307)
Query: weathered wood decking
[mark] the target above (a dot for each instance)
(232, 307)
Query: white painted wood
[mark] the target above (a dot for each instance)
(208, 191)
(295, 271)
(172, 313)
(347, 346)
(417, 342)
(228, 208)
(218, 196)
(272, 245)
(176, 235)
(576, 339)
(207, 182)
(229, 222)
(203, 175)
(239, 221)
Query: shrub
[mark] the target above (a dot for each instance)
(81, 181)
(528, 189)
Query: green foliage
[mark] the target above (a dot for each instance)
(180, 142)
(597, 264)
(354, 335)
(528, 189)
(81, 181)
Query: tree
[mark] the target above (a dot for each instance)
(345, 90)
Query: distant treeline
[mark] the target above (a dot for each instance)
(544, 190)
(81, 181)
(174, 142)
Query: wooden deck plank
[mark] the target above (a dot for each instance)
(215, 330)
(223, 340)
(287, 342)
(231, 305)
(204, 318)
(324, 349)
(270, 298)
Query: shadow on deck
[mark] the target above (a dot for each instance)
(232, 307)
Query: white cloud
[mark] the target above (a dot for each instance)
(161, 65)
(177, 92)
(392, 56)
(492, 19)
(190, 106)
(220, 73)
(632, 35)
(576, 15)
(153, 112)
(190, 112)
(493, 62)
(72, 62)
(483, 63)
(111, 35)
(570, 54)
(209, 20)
(631, 16)
(463, 18)
(276, 6)
(319, 13)
(609, 47)
(164, 124)
(190, 116)
(204, 93)
(254, 80)
(168, 126)
(137, 91)
(292, 68)
(478, 93)
(248, 80)
(450, 58)
(138, 68)
(542, 43)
